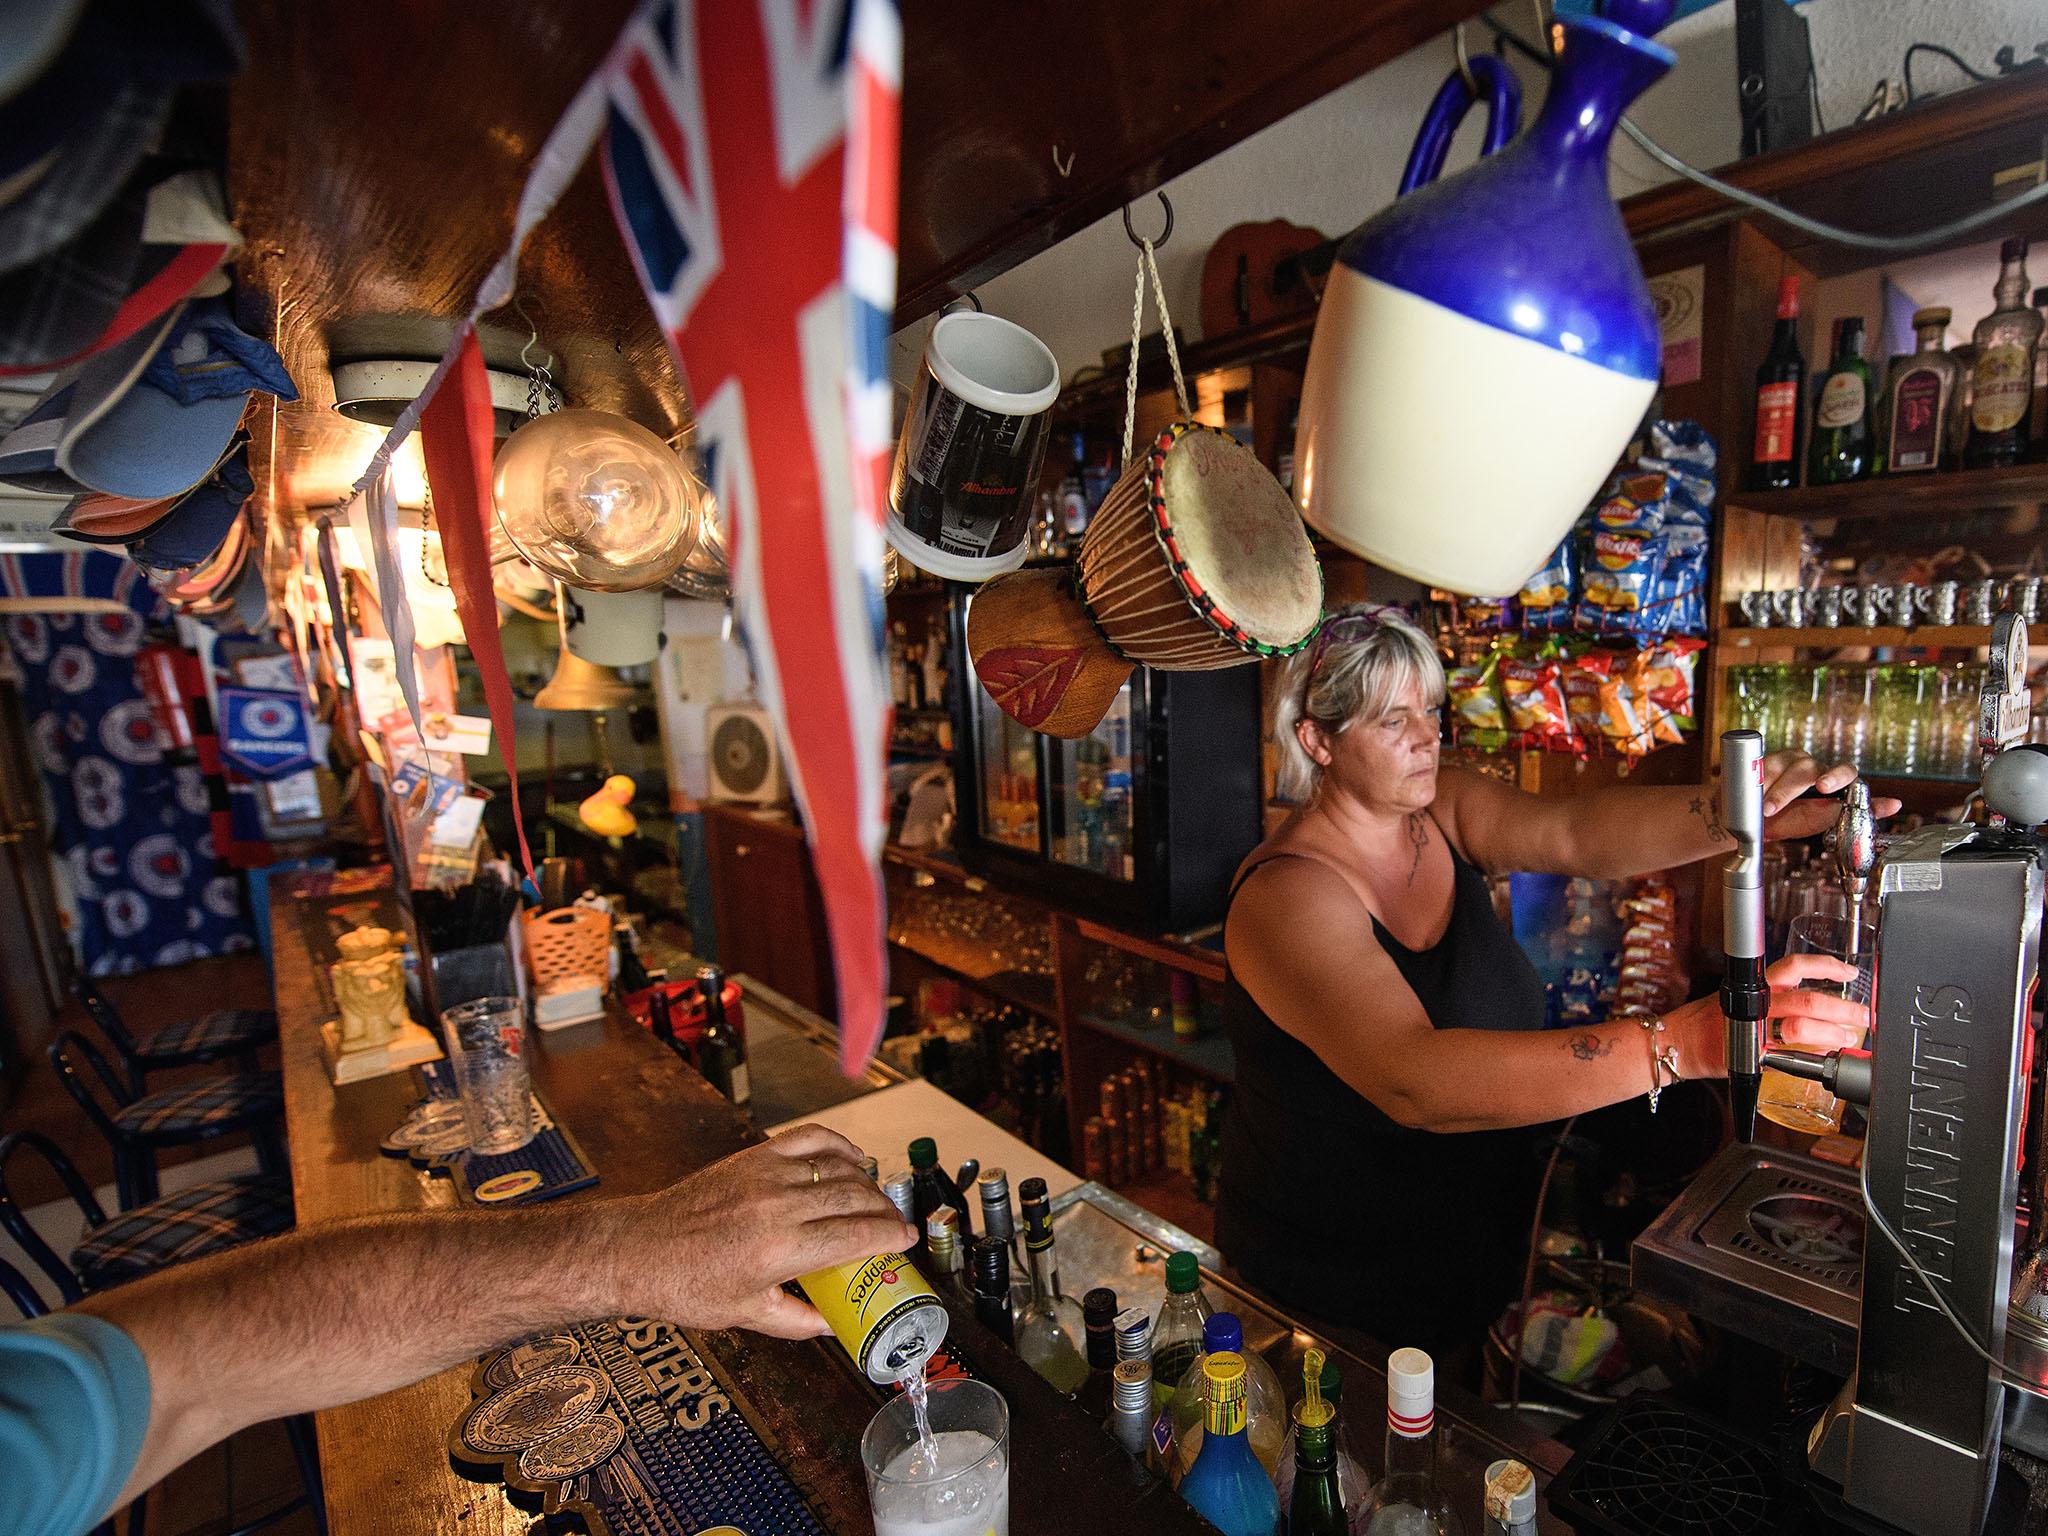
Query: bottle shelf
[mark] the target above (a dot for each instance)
(1208, 1054)
(1730, 644)
(1906, 496)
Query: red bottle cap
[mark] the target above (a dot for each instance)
(1788, 298)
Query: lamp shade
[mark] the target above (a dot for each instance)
(596, 500)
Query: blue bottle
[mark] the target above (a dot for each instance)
(1488, 343)
(1226, 1485)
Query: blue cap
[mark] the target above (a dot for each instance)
(1223, 1331)
(198, 525)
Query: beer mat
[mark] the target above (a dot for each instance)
(434, 1137)
(621, 1422)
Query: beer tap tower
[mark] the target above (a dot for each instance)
(1914, 1438)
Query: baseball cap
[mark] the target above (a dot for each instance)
(101, 519)
(32, 34)
(198, 523)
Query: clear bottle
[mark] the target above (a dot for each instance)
(1314, 1503)
(1509, 1500)
(1917, 400)
(1050, 1330)
(1352, 1484)
(1408, 1500)
(1177, 1331)
(2001, 404)
(1265, 1400)
(1227, 1486)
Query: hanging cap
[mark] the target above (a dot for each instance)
(1183, 1272)
(1510, 1497)
(1411, 1392)
(924, 1153)
(1222, 1330)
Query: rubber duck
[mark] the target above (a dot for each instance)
(605, 812)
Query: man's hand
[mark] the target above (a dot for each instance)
(1787, 776)
(712, 1250)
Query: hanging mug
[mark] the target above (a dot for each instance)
(1756, 609)
(1824, 607)
(1980, 601)
(1938, 601)
(960, 496)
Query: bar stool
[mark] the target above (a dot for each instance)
(139, 1125)
(202, 1219)
(224, 1032)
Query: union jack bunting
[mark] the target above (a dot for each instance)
(750, 154)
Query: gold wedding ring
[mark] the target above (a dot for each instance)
(814, 1168)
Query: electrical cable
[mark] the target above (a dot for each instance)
(1906, 67)
(1529, 1269)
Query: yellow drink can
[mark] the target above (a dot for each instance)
(889, 1320)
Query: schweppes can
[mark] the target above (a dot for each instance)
(889, 1320)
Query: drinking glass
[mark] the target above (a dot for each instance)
(1903, 696)
(485, 1039)
(1794, 1102)
(1848, 713)
(968, 1492)
(1805, 708)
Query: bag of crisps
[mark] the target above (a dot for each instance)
(1478, 718)
(1533, 692)
(1622, 554)
(1546, 597)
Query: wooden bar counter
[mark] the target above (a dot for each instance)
(643, 1119)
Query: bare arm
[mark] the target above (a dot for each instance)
(1303, 946)
(1628, 829)
(343, 1311)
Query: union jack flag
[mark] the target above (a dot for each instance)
(750, 155)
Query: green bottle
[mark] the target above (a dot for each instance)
(1314, 1505)
(1841, 448)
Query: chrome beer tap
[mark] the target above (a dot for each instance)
(1745, 997)
(1855, 847)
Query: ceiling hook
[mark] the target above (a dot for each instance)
(1465, 61)
(532, 334)
(1164, 235)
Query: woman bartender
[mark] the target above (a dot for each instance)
(1388, 1030)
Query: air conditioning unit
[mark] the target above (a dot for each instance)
(745, 765)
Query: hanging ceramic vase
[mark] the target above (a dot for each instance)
(1487, 344)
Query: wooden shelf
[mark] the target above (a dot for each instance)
(1207, 1054)
(1906, 496)
(1205, 963)
(1729, 644)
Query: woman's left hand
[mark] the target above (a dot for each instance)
(1788, 775)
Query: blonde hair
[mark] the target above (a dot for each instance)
(1364, 661)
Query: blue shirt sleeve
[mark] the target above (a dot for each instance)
(74, 1404)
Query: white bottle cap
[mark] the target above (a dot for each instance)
(1411, 1393)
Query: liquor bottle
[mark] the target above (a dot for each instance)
(1265, 1401)
(1226, 1485)
(2001, 405)
(1177, 1332)
(1407, 1501)
(1098, 1318)
(1780, 399)
(659, 1021)
(1050, 1329)
(1074, 495)
(1917, 400)
(999, 1219)
(931, 1187)
(901, 1189)
(1315, 1506)
(1840, 448)
(949, 1264)
(1352, 1483)
(992, 1288)
(721, 1051)
(2037, 419)
(1509, 1499)
(1130, 1410)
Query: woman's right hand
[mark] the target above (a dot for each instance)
(1818, 1022)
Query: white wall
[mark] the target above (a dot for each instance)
(1335, 162)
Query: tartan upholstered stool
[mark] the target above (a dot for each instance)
(138, 1126)
(225, 1032)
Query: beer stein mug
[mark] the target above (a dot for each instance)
(2023, 596)
(1824, 607)
(1938, 601)
(1756, 609)
(1980, 601)
(1854, 610)
(1789, 607)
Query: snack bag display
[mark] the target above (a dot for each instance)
(1477, 713)
(1601, 703)
(1487, 615)
(1546, 597)
(1533, 692)
(1684, 453)
(1623, 555)
(1662, 679)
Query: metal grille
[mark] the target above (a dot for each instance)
(1655, 1469)
(1782, 1218)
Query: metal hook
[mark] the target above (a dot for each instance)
(1164, 235)
(1465, 61)
(969, 297)
(532, 334)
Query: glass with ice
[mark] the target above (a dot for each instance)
(485, 1046)
(944, 1471)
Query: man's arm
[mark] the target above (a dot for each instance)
(1629, 829)
(347, 1310)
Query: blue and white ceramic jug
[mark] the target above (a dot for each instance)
(1487, 344)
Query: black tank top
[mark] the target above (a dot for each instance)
(1414, 1236)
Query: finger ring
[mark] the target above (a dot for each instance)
(814, 1168)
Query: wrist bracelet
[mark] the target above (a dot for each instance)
(1663, 1059)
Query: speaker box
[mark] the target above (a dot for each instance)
(1773, 75)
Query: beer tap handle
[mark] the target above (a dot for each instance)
(1854, 846)
(1745, 997)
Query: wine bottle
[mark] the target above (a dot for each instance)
(1050, 1330)
(1780, 399)
(932, 1187)
(992, 1288)
(1841, 447)
(1130, 1409)
(1098, 1319)
(721, 1050)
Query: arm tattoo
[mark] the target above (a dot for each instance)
(1703, 807)
(1418, 835)
(1589, 1046)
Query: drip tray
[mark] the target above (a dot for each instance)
(1767, 1244)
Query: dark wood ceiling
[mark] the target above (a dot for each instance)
(377, 148)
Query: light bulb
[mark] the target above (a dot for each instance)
(597, 501)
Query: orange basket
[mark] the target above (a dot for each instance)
(568, 946)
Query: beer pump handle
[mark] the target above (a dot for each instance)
(1745, 997)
